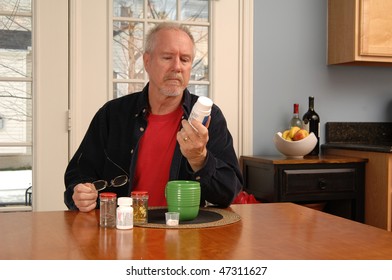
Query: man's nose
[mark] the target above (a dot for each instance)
(177, 64)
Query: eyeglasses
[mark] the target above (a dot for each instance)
(119, 181)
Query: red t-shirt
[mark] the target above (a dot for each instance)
(156, 149)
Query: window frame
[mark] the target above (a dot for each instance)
(22, 157)
(145, 21)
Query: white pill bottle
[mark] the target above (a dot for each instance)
(124, 213)
(201, 110)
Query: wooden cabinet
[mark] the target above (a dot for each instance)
(378, 185)
(336, 181)
(360, 32)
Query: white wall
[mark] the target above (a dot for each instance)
(88, 65)
(50, 142)
(290, 65)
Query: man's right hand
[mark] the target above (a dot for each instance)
(85, 197)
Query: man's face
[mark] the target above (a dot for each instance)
(170, 63)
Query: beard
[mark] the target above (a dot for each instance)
(171, 91)
(174, 89)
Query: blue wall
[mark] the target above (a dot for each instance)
(290, 45)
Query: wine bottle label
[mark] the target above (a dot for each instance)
(306, 125)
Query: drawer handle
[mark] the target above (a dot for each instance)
(322, 184)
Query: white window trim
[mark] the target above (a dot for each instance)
(50, 104)
(237, 88)
(246, 80)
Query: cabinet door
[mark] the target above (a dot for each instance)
(376, 28)
(360, 32)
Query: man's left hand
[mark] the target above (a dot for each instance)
(193, 142)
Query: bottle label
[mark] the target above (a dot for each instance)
(200, 118)
(124, 219)
(204, 122)
(318, 131)
(306, 126)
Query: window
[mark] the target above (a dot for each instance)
(15, 102)
(131, 21)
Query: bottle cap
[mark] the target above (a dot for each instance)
(296, 107)
(107, 195)
(124, 201)
(139, 193)
(204, 103)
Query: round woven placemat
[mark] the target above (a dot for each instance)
(208, 217)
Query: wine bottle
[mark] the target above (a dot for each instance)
(295, 120)
(311, 122)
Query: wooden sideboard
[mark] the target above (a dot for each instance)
(336, 181)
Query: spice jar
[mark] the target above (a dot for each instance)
(107, 213)
(140, 207)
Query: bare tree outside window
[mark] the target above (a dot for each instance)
(131, 21)
(15, 102)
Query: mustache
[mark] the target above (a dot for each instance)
(174, 76)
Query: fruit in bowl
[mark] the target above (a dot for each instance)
(293, 145)
(295, 134)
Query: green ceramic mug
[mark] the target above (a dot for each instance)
(183, 197)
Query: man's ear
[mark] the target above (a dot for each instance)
(146, 61)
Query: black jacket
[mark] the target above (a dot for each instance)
(110, 146)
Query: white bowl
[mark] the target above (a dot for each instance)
(295, 149)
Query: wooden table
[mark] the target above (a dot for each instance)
(271, 231)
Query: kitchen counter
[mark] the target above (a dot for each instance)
(360, 136)
(379, 148)
(371, 141)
